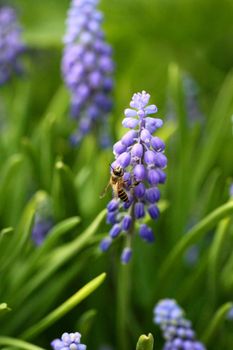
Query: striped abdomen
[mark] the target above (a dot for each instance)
(123, 195)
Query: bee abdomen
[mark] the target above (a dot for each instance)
(123, 195)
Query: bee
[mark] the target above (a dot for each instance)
(117, 183)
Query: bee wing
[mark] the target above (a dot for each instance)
(103, 193)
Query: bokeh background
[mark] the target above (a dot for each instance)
(181, 52)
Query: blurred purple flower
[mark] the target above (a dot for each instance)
(87, 68)
(11, 45)
(41, 227)
(176, 329)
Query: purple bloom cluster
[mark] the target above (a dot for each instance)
(141, 156)
(11, 46)
(176, 329)
(43, 221)
(87, 69)
(41, 227)
(68, 341)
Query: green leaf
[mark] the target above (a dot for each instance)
(60, 256)
(31, 154)
(145, 342)
(8, 173)
(64, 192)
(64, 308)
(193, 235)
(57, 232)
(216, 322)
(58, 104)
(5, 231)
(219, 125)
(217, 247)
(23, 231)
(18, 344)
(86, 321)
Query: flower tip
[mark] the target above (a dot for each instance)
(126, 255)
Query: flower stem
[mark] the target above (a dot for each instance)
(123, 292)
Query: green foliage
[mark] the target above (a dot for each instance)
(41, 287)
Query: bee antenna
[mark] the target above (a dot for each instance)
(111, 166)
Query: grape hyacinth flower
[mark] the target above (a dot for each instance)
(176, 329)
(11, 45)
(141, 156)
(42, 226)
(87, 68)
(68, 341)
(191, 92)
(43, 221)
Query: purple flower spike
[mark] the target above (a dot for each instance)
(87, 69)
(126, 255)
(68, 341)
(139, 154)
(176, 329)
(11, 45)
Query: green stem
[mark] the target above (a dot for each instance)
(123, 290)
(18, 344)
(193, 235)
(219, 317)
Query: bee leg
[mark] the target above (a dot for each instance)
(135, 184)
(104, 191)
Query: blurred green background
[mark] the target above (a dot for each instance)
(156, 44)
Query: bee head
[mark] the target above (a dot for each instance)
(118, 171)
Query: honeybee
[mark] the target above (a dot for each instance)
(117, 183)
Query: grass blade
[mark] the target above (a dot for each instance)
(65, 307)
